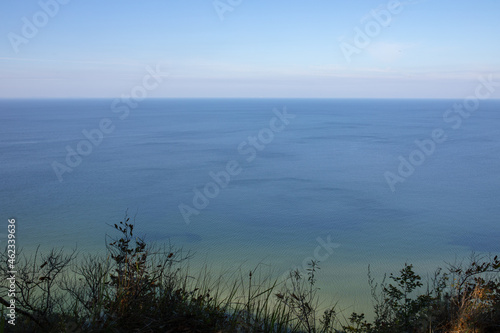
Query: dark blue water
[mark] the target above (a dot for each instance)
(319, 172)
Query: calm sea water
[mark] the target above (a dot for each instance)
(317, 177)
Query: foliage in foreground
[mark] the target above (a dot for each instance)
(143, 288)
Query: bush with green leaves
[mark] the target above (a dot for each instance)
(145, 288)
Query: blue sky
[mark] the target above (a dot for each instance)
(256, 48)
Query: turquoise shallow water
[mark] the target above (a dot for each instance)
(318, 173)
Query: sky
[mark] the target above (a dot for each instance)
(248, 48)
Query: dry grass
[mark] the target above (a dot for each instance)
(143, 288)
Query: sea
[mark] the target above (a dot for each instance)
(271, 184)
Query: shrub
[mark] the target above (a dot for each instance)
(145, 288)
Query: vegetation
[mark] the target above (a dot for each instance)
(143, 288)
